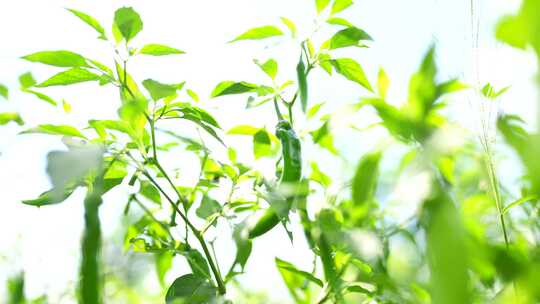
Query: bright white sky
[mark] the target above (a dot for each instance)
(45, 242)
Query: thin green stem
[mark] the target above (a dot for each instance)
(497, 196)
(196, 233)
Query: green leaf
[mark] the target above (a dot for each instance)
(519, 202)
(65, 59)
(290, 25)
(8, 117)
(42, 96)
(71, 76)
(128, 22)
(323, 137)
(64, 130)
(190, 289)
(490, 93)
(231, 87)
(446, 243)
(340, 5)
(149, 191)
(314, 110)
(51, 197)
(259, 33)
(198, 264)
(351, 70)
(208, 207)
(452, 86)
(321, 5)
(243, 130)
(261, 144)
(244, 246)
(292, 279)
(284, 266)
(325, 62)
(270, 67)
(91, 21)
(383, 82)
(318, 176)
(15, 289)
(521, 30)
(339, 21)
(66, 106)
(159, 50)
(4, 92)
(193, 95)
(200, 117)
(160, 90)
(26, 80)
(348, 37)
(301, 75)
(365, 178)
(115, 173)
(163, 264)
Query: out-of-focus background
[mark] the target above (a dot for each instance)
(45, 242)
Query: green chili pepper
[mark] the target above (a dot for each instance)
(291, 175)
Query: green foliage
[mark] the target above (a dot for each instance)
(91, 21)
(351, 70)
(154, 49)
(373, 236)
(66, 59)
(128, 22)
(4, 91)
(190, 288)
(231, 87)
(68, 77)
(259, 33)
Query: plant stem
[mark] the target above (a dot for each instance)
(497, 196)
(196, 233)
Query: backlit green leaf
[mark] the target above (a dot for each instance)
(128, 22)
(159, 50)
(26, 80)
(285, 266)
(348, 37)
(259, 33)
(63, 130)
(243, 130)
(71, 76)
(160, 90)
(339, 21)
(351, 70)
(4, 92)
(261, 144)
(289, 25)
(58, 58)
(365, 178)
(42, 96)
(51, 197)
(8, 117)
(231, 87)
(321, 5)
(340, 5)
(270, 67)
(91, 21)
(383, 82)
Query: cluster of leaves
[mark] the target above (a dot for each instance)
(454, 249)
